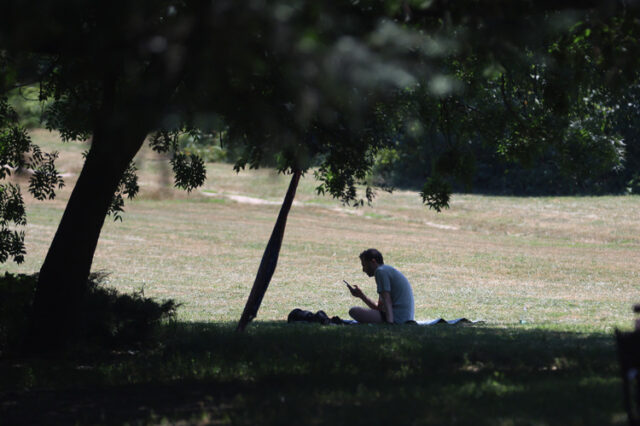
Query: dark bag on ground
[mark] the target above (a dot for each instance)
(320, 317)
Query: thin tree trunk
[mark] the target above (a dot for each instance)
(269, 258)
(63, 277)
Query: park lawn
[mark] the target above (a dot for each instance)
(550, 276)
(312, 374)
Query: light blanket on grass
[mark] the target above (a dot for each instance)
(436, 321)
(450, 322)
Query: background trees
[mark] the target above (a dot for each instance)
(544, 119)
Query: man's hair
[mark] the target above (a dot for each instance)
(372, 254)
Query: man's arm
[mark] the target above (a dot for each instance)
(356, 292)
(388, 307)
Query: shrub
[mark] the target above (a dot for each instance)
(633, 186)
(16, 296)
(122, 319)
(207, 147)
(107, 318)
(28, 106)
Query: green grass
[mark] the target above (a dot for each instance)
(551, 276)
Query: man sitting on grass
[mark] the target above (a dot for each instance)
(395, 297)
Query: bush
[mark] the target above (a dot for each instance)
(107, 318)
(28, 106)
(122, 319)
(208, 148)
(16, 296)
(633, 186)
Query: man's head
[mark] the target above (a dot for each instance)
(371, 259)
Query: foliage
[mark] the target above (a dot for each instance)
(322, 81)
(28, 106)
(190, 171)
(209, 147)
(18, 154)
(117, 320)
(188, 166)
(435, 193)
(634, 184)
(304, 93)
(11, 211)
(128, 186)
(513, 130)
(626, 121)
(45, 178)
(16, 295)
(109, 319)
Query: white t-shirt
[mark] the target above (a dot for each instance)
(390, 279)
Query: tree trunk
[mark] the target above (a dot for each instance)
(122, 124)
(269, 258)
(62, 282)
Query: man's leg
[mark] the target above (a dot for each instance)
(365, 315)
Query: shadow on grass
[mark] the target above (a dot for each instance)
(310, 374)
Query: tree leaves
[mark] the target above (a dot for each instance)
(190, 171)
(12, 212)
(18, 153)
(45, 178)
(436, 193)
(128, 187)
(11, 206)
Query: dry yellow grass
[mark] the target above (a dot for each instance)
(552, 261)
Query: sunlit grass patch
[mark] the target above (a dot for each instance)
(549, 261)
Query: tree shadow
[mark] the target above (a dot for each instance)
(278, 373)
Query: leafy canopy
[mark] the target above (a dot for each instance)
(301, 84)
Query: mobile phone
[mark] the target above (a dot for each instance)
(348, 285)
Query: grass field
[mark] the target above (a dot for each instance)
(550, 276)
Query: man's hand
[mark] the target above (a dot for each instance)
(356, 292)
